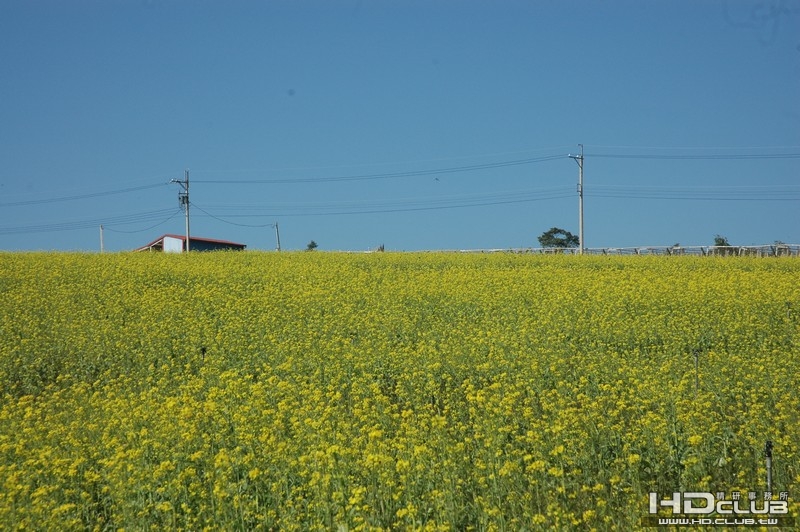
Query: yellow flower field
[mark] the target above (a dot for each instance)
(327, 391)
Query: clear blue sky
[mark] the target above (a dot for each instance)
(414, 124)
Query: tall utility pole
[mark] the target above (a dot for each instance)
(183, 200)
(277, 236)
(579, 160)
(102, 246)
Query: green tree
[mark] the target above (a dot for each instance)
(723, 247)
(311, 246)
(720, 240)
(558, 238)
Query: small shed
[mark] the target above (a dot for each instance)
(177, 244)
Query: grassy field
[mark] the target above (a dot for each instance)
(324, 391)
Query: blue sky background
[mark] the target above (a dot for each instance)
(413, 124)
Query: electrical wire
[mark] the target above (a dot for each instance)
(351, 208)
(718, 157)
(81, 196)
(729, 193)
(126, 219)
(757, 193)
(228, 221)
(162, 222)
(384, 163)
(387, 175)
(429, 200)
(691, 148)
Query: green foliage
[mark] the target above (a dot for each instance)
(721, 241)
(556, 237)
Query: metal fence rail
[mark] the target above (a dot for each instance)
(766, 250)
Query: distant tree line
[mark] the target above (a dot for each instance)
(557, 238)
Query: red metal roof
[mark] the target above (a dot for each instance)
(193, 239)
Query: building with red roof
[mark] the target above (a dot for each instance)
(177, 244)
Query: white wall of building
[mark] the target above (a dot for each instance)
(173, 245)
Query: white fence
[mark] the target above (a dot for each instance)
(767, 250)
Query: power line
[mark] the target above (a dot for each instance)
(758, 193)
(459, 198)
(387, 175)
(385, 163)
(730, 193)
(126, 219)
(165, 220)
(81, 196)
(228, 221)
(455, 169)
(718, 157)
(692, 148)
(334, 209)
(465, 199)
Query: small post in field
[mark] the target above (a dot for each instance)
(768, 455)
